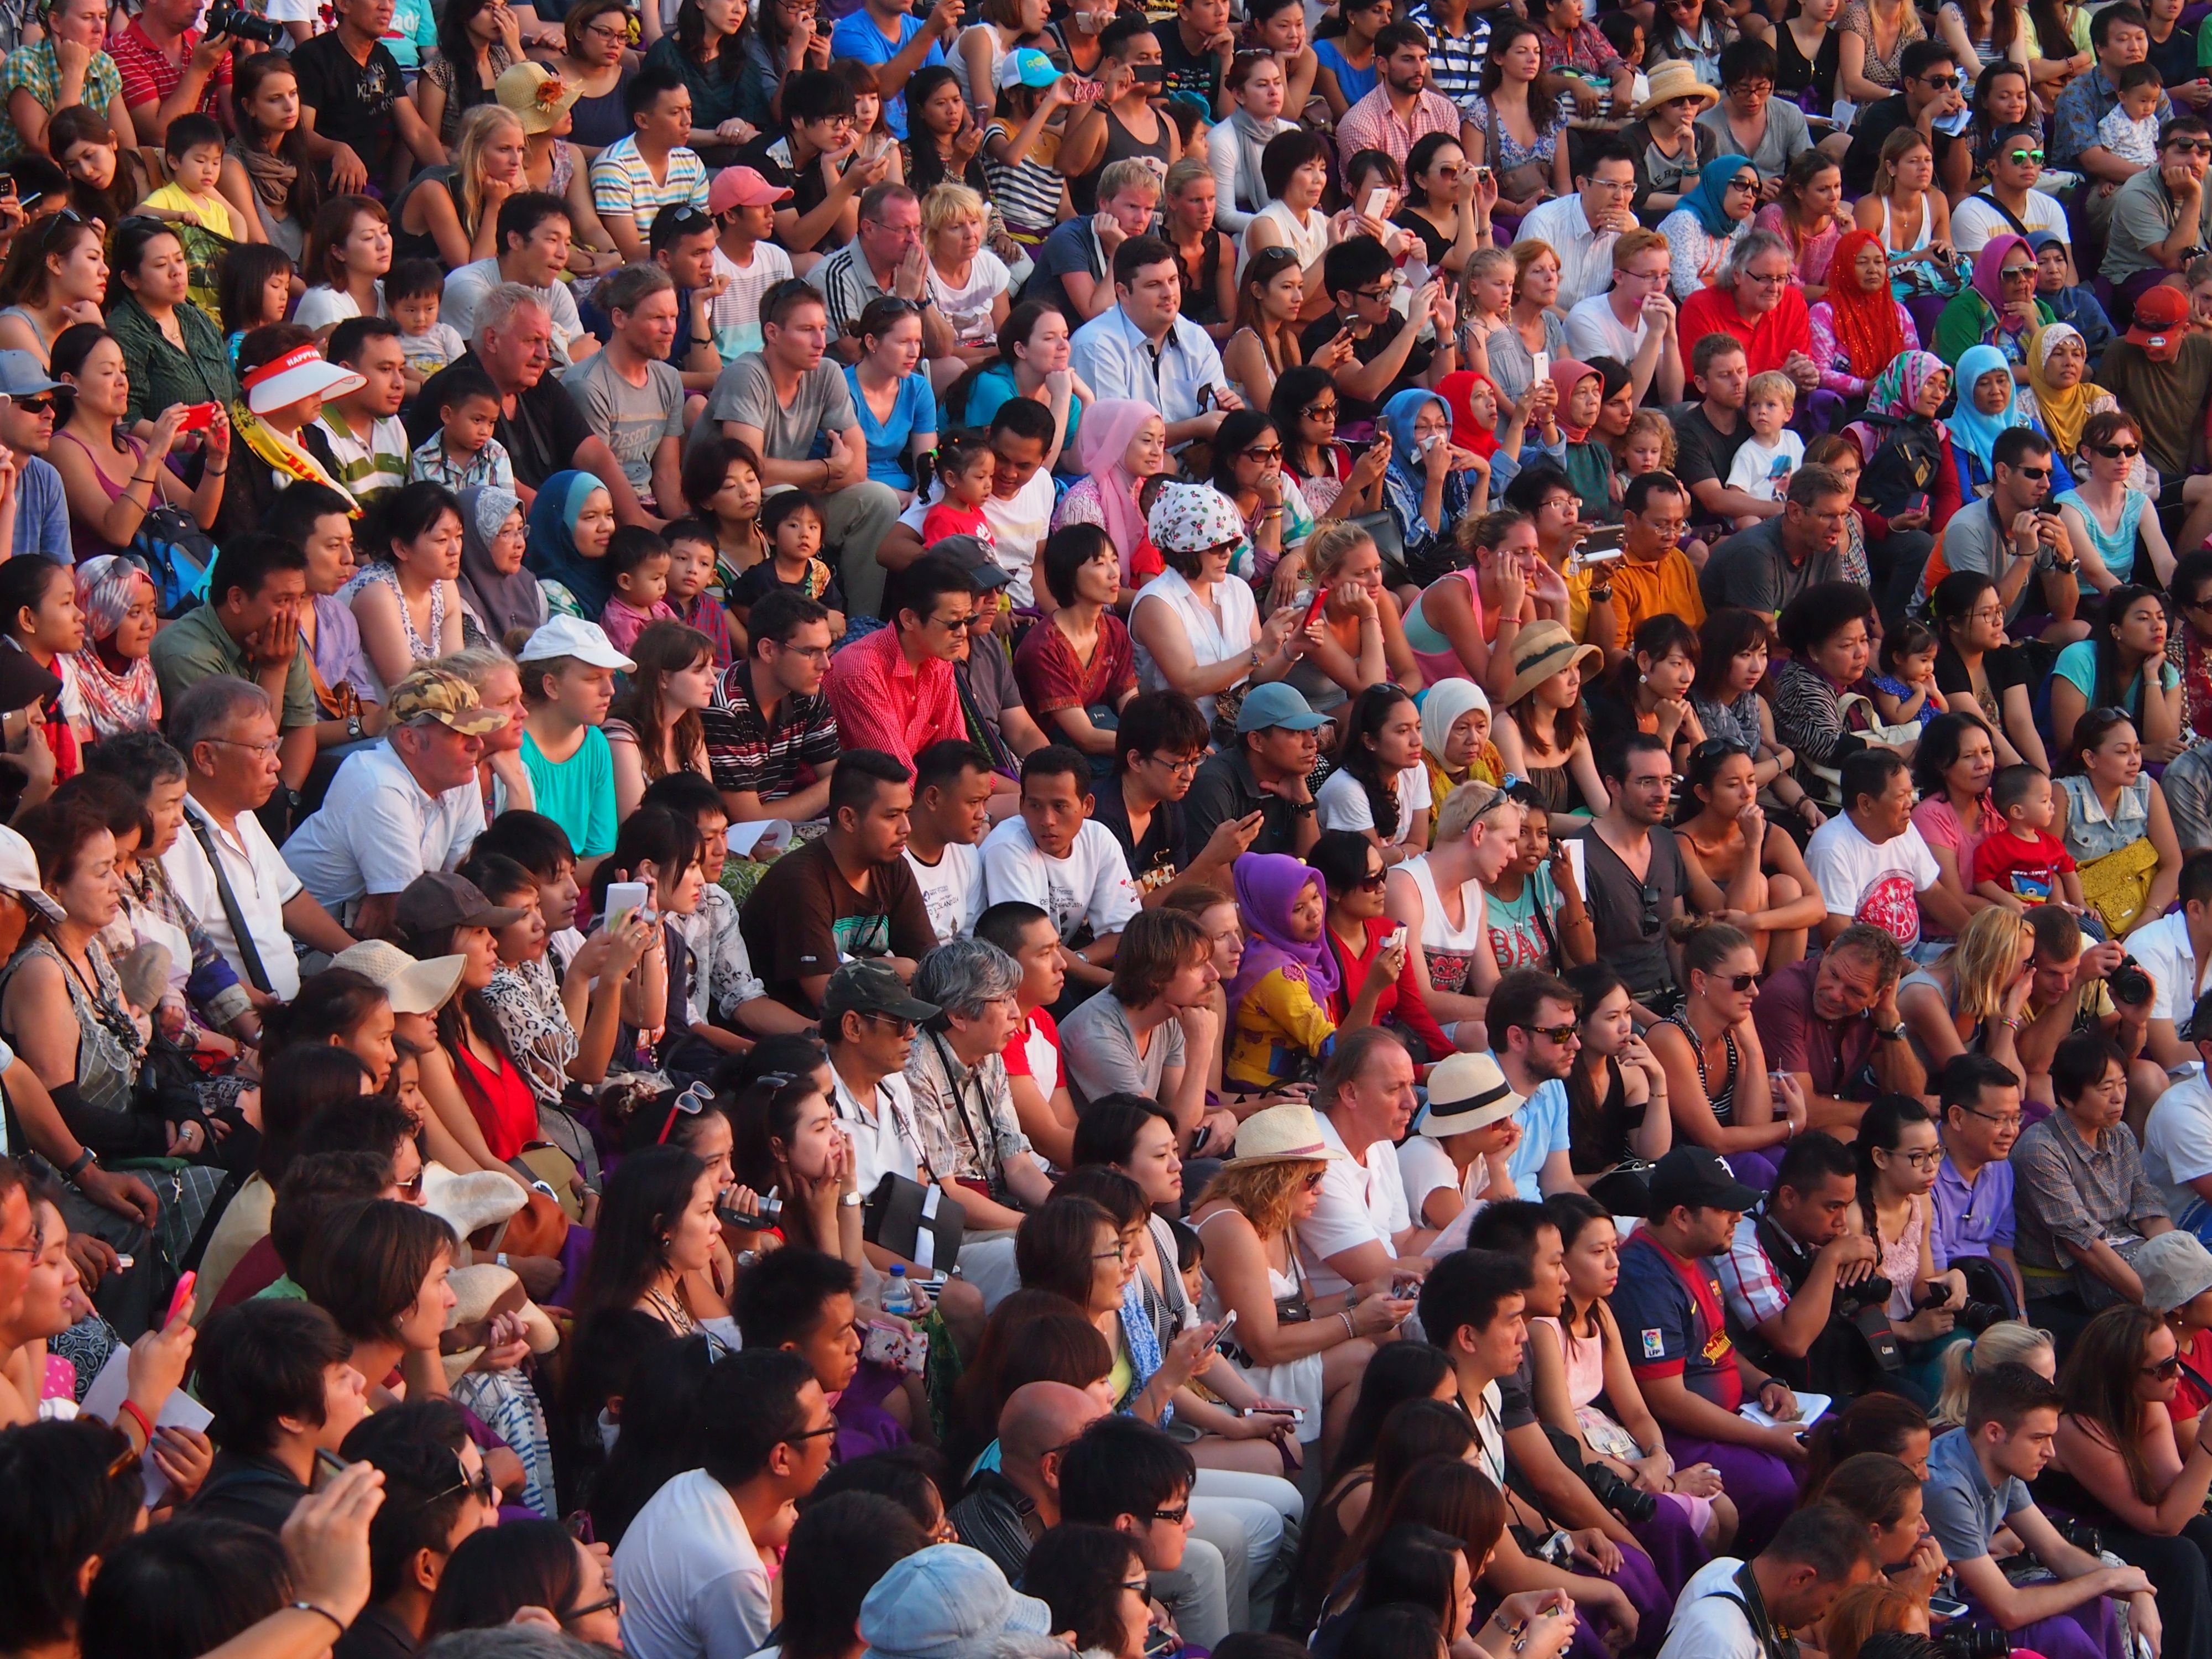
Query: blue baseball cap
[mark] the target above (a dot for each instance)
(947, 1601)
(1026, 66)
(1277, 704)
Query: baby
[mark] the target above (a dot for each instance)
(2130, 129)
(1772, 453)
(637, 565)
(792, 521)
(463, 450)
(1906, 690)
(411, 294)
(206, 225)
(2023, 863)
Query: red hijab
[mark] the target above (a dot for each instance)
(1866, 324)
(1468, 431)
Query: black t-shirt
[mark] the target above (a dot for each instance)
(1156, 860)
(1631, 916)
(1367, 350)
(1702, 450)
(1876, 123)
(1196, 72)
(770, 155)
(757, 583)
(352, 102)
(542, 436)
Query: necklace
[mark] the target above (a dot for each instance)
(672, 1312)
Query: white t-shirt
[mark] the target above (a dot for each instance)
(2162, 950)
(883, 1138)
(968, 308)
(1593, 331)
(1867, 882)
(1090, 885)
(1708, 1624)
(734, 316)
(467, 288)
(1341, 803)
(1020, 523)
(1974, 221)
(378, 829)
(327, 308)
(1762, 471)
(692, 1583)
(952, 887)
(1359, 1205)
(1423, 1167)
(2177, 1144)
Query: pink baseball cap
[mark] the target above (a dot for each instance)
(742, 188)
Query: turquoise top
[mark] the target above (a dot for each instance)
(578, 793)
(2118, 549)
(914, 412)
(990, 391)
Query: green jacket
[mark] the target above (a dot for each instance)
(160, 373)
(1968, 321)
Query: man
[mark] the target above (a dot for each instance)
(653, 166)
(971, 1141)
(801, 1301)
(1073, 264)
(249, 628)
(274, 1373)
(1977, 1486)
(1035, 1074)
(1749, 120)
(869, 1024)
(1009, 1508)
(1153, 1032)
(1755, 300)
(2011, 535)
(847, 894)
(1401, 110)
(436, 1494)
(1159, 745)
(1528, 1013)
(1764, 568)
(2069, 990)
(1831, 1021)
(1928, 97)
(817, 123)
(2119, 35)
(952, 783)
(1637, 880)
(1667, 1305)
(367, 438)
(1583, 229)
(1125, 1474)
(1052, 855)
(2162, 216)
(1869, 861)
(2176, 952)
(629, 395)
(1709, 433)
(769, 719)
(1018, 509)
(887, 34)
(1143, 347)
(894, 690)
(2161, 370)
(534, 239)
(1195, 55)
(1129, 59)
(1981, 1118)
(567, 669)
(1361, 1229)
(1264, 774)
(783, 399)
(538, 424)
(2177, 1137)
(316, 518)
(408, 805)
(224, 867)
(885, 257)
(353, 104)
(169, 69)
(2009, 203)
(1633, 321)
(689, 1570)
(1655, 577)
(1738, 1609)
(27, 428)
(684, 244)
(744, 201)
(1790, 1274)
(1389, 352)
(991, 705)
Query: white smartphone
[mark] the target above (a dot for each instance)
(1398, 937)
(1377, 199)
(1228, 1324)
(1540, 367)
(624, 900)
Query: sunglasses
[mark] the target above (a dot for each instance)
(1312, 1182)
(1319, 412)
(2018, 273)
(2166, 1369)
(1375, 883)
(477, 1486)
(35, 405)
(2117, 451)
(2022, 157)
(2038, 472)
(1176, 1517)
(1740, 983)
(2188, 147)
(1556, 1033)
(689, 1104)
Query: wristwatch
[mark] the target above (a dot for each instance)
(1301, 809)
(353, 728)
(848, 1201)
(1891, 1033)
(84, 1160)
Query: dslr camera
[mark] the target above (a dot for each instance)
(241, 24)
(1968, 1643)
(1623, 1497)
(2129, 983)
(1971, 1315)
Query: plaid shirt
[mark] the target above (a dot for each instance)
(1372, 124)
(33, 68)
(2088, 100)
(1584, 49)
(2072, 1194)
(706, 614)
(965, 1115)
(149, 76)
(490, 466)
(1754, 1291)
(882, 702)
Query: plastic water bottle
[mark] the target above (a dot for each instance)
(898, 1296)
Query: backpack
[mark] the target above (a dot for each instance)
(176, 555)
(1903, 465)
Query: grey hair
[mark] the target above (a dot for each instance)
(477, 663)
(965, 975)
(1746, 248)
(212, 705)
(513, 1642)
(497, 308)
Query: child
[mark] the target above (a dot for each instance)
(1648, 445)
(2070, 301)
(1764, 463)
(204, 222)
(463, 450)
(637, 564)
(792, 521)
(964, 468)
(724, 981)
(411, 294)
(1905, 688)
(253, 288)
(690, 571)
(2025, 864)
(1020, 145)
(2130, 129)
(743, 204)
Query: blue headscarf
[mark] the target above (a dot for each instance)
(1405, 483)
(1971, 431)
(1709, 201)
(553, 555)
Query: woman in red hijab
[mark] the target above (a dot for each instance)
(1859, 329)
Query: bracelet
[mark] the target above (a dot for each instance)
(309, 1606)
(213, 472)
(130, 1409)
(1350, 1329)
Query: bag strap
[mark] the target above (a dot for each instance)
(2010, 217)
(248, 951)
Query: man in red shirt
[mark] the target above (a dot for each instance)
(169, 70)
(894, 690)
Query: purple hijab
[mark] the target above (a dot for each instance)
(1267, 885)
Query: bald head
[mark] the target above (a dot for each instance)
(1042, 1417)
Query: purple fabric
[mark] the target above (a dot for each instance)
(1267, 885)
(1673, 1544)
(863, 1424)
(576, 1251)
(1762, 1486)
(1645, 1586)
(2089, 1631)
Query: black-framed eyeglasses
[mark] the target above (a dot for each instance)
(1176, 1517)
(1182, 766)
(813, 1434)
(610, 1603)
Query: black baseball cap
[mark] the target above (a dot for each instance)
(1700, 1179)
(438, 899)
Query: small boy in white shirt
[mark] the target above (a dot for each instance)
(2130, 129)
(412, 296)
(1773, 452)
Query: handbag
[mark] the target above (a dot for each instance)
(913, 1222)
(1831, 778)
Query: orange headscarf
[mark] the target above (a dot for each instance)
(1866, 324)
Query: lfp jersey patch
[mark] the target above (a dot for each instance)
(1655, 1344)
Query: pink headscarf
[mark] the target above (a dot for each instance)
(1108, 426)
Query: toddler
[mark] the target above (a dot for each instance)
(2130, 129)
(2023, 863)
(690, 573)
(637, 565)
(1905, 688)
(205, 223)
(792, 521)
(411, 294)
(1764, 463)
(463, 450)
(964, 469)
(1647, 446)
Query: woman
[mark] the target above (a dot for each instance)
(477, 42)
(1871, 38)
(379, 1269)
(654, 729)
(1431, 483)
(571, 522)
(1305, 406)
(1357, 640)
(2060, 398)
(983, 46)
(551, 163)
(891, 393)
(707, 50)
(1670, 148)
(451, 214)
(1455, 740)
(348, 254)
(1247, 469)
(1712, 219)
(112, 481)
(1194, 626)
(1985, 411)
(1732, 658)
(2000, 308)
(657, 1249)
(1899, 1154)
(1256, 87)
(405, 597)
(1808, 49)
(55, 276)
(1765, 888)
(1513, 124)
(1352, 873)
(1967, 1000)
(2009, 1341)
(1911, 218)
(1347, 69)
(1859, 327)
(1974, 662)
(790, 1142)
(108, 687)
(1951, 766)
(1204, 255)
(497, 1572)
(967, 281)
(1280, 997)
(1617, 1111)
(1124, 443)
(2105, 513)
(1544, 739)
(1533, 911)
(1402, 1385)
(943, 140)
(501, 774)
(722, 487)
(1033, 363)
(2123, 666)
(1982, 33)
(174, 347)
(1380, 788)
(1806, 215)
(1294, 167)
(598, 67)
(498, 596)
(1693, 33)
(37, 83)
(1093, 1582)
(1649, 691)
(1532, 326)
(1884, 1494)
(1076, 669)
(1718, 1088)
(1270, 299)
(2000, 98)
(2113, 820)
(1466, 622)
(1447, 202)
(1822, 710)
(493, 1084)
(268, 176)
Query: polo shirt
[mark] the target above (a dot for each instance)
(1963, 1510)
(378, 828)
(622, 183)
(196, 647)
(2162, 949)
(1709, 1620)
(747, 753)
(261, 884)
(847, 284)
(1543, 1121)
(371, 462)
(1976, 1219)
(1359, 1206)
(1224, 789)
(149, 76)
(1671, 1317)
(1837, 1055)
(1119, 361)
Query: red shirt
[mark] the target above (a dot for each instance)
(1400, 1003)
(882, 702)
(1767, 343)
(2025, 869)
(499, 1099)
(149, 76)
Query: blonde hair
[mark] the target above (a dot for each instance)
(1775, 385)
(477, 128)
(1329, 546)
(1650, 420)
(1467, 803)
(1864, 1611)
(1985, 959)
(476, 664)
(1118, 176)
(1185, 174)
(948, 204)
(2007, 1341)
(1262, 1193)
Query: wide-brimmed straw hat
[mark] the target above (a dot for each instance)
(1281, 1135)
(1671, 80)
(1543, 649)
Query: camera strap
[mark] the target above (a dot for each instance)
(1776, 1644)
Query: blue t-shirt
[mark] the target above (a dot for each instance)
(1354, 83)
(914, 412)
(42, 511)
(1670, 1331)
(1072, 246)
(1543, 1120)
(858, 37)
(578, 793)
(990, 392)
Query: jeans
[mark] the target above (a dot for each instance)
(2178, 1566)
(1253, 1519)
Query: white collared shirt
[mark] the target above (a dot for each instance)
(1113, 356)
(261, 882)
(1585, 255)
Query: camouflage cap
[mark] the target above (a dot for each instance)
(446, 698)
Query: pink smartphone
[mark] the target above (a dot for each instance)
(182, 1299)
(197, 417)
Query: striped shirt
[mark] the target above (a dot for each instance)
(1454, 60)
(747, 755)
(847, 285)
(622, 183)
(489, 465)
(1028, 193)
(367, 467)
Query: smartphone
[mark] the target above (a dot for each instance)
(1917, 502)
(1377, 199)
(1397, 938)
(1296, 1413)
(6, 184)
(1600, 541)
(1085, 92)
(1149, 74)
(1942, 1606)
(624, 900)
(1313, 612)
(328, 1466)
(1221, 1333)
(197, 417)
(1540, 367)
(182, 1299)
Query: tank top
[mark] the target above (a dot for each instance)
(85, 537)
(1900, 1261)
(420, 244)
(31, 322)
(499, 1099)
(1722, 1099)
(1448, 949)
(1584, 1360)
(1120, 145)
(1426, 641)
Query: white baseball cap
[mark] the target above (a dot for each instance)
(572, 636)
(19, 874)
